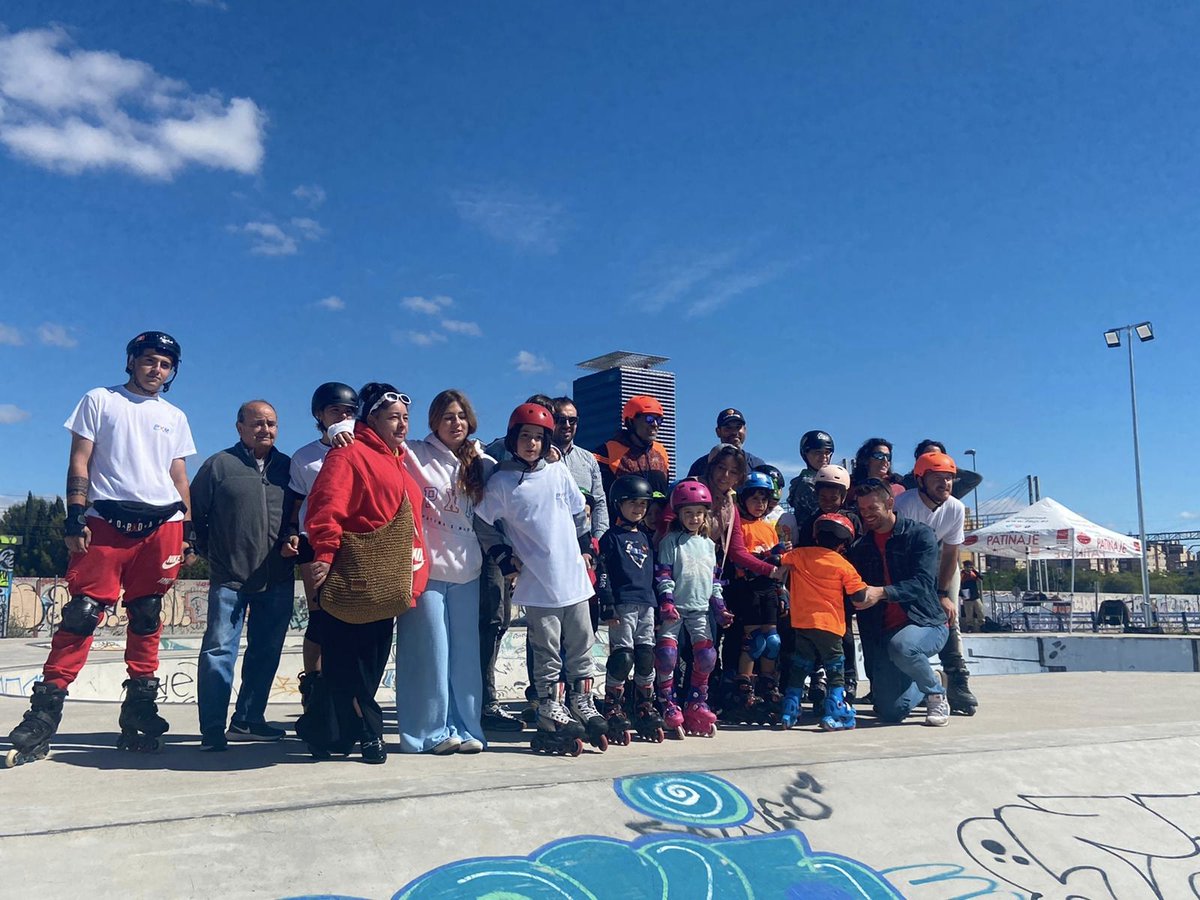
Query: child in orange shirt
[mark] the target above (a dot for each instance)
(820, 580)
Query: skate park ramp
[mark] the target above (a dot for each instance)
(1064, 785)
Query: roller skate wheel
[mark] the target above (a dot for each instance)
(578, 748)
(677, 734)
(659, 737)
(15, 757)
(602, 743)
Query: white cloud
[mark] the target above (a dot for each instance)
(422, 338)
(471, 329)
(524, 221)
(309, 229)
(529, 363)
(10, 336)
(430, 306)
(311, 194)
(789, 468)
(333, 304)
(71, 110)
(53, 335)
(706, 282)
(10, 415)
(267, 239)
(1186, 514)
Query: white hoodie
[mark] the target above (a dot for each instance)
(450, 541)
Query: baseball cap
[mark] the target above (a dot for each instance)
(730, 416)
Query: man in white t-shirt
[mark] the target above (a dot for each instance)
(933, 503)
(127, 517)
(334, 406)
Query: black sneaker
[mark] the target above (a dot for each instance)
(214, 743)
(374, 752)
(496, 718)
(253, 731)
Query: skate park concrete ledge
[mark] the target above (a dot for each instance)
(1075, 783)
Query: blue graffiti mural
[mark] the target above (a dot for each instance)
(704, 860)
(686, 798)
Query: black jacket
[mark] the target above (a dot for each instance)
(239, 515)
(912, 562)
(624, 569)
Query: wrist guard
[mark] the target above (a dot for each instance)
(74, 524)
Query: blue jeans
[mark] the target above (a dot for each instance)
(900, 672)
(270, 615)
(439, 690)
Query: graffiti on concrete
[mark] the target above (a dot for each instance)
(35, 607)
(712, 856)
(1132, 847)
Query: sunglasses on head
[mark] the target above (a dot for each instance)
(880, 455)
(390, 397)
(567, 420)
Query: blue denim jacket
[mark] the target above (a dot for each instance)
(912, 561)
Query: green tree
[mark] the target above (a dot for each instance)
(39, 524)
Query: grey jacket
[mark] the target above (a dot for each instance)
(586, 472)
(239, 515)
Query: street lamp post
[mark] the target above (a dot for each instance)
(1112, 339)
(975, 490)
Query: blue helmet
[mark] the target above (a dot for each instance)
(757, 481)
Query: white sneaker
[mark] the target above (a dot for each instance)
(451, 745)
(937, 710)
(471, 745)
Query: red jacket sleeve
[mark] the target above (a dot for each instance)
(739, 555)
(329, 505)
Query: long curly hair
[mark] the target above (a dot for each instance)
(470, 466)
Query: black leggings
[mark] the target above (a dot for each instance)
(353, 659)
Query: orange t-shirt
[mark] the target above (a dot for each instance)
(819, 581)
(759, 537)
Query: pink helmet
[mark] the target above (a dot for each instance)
(690, 492)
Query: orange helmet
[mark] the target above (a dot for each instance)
(934, 462)
(641, 405)
(529, 414)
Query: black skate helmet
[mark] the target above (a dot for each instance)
(630, 487)
(775, 475)
(333, 393)
(815, 440)
(159, 342)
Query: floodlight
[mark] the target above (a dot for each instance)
(1112, 338)
(1144, 332)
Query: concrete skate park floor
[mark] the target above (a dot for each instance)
(1072, 784)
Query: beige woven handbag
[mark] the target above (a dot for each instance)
(371, 576)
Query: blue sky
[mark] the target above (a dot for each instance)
(908, 220)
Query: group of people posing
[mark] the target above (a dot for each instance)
(427, 544)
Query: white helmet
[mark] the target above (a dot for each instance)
(835, 475)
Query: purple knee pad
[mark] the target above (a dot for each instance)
(666, 654)
(704, 656)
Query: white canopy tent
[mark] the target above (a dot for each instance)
(1048, 530)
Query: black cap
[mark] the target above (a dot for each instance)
(729, 416)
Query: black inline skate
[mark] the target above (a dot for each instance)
(740, 706)
(557, 734)
(619, 729)
(583, 708)
(31, 738)
(141, 725)
(958, 693)
(647, 721)
(770, 700)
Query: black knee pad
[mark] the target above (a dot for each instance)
(81, 615)
(144, 614)
(621, 661)
(643, 659)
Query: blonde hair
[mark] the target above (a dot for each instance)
(470, 466)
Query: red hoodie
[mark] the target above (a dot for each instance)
(359, 489)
